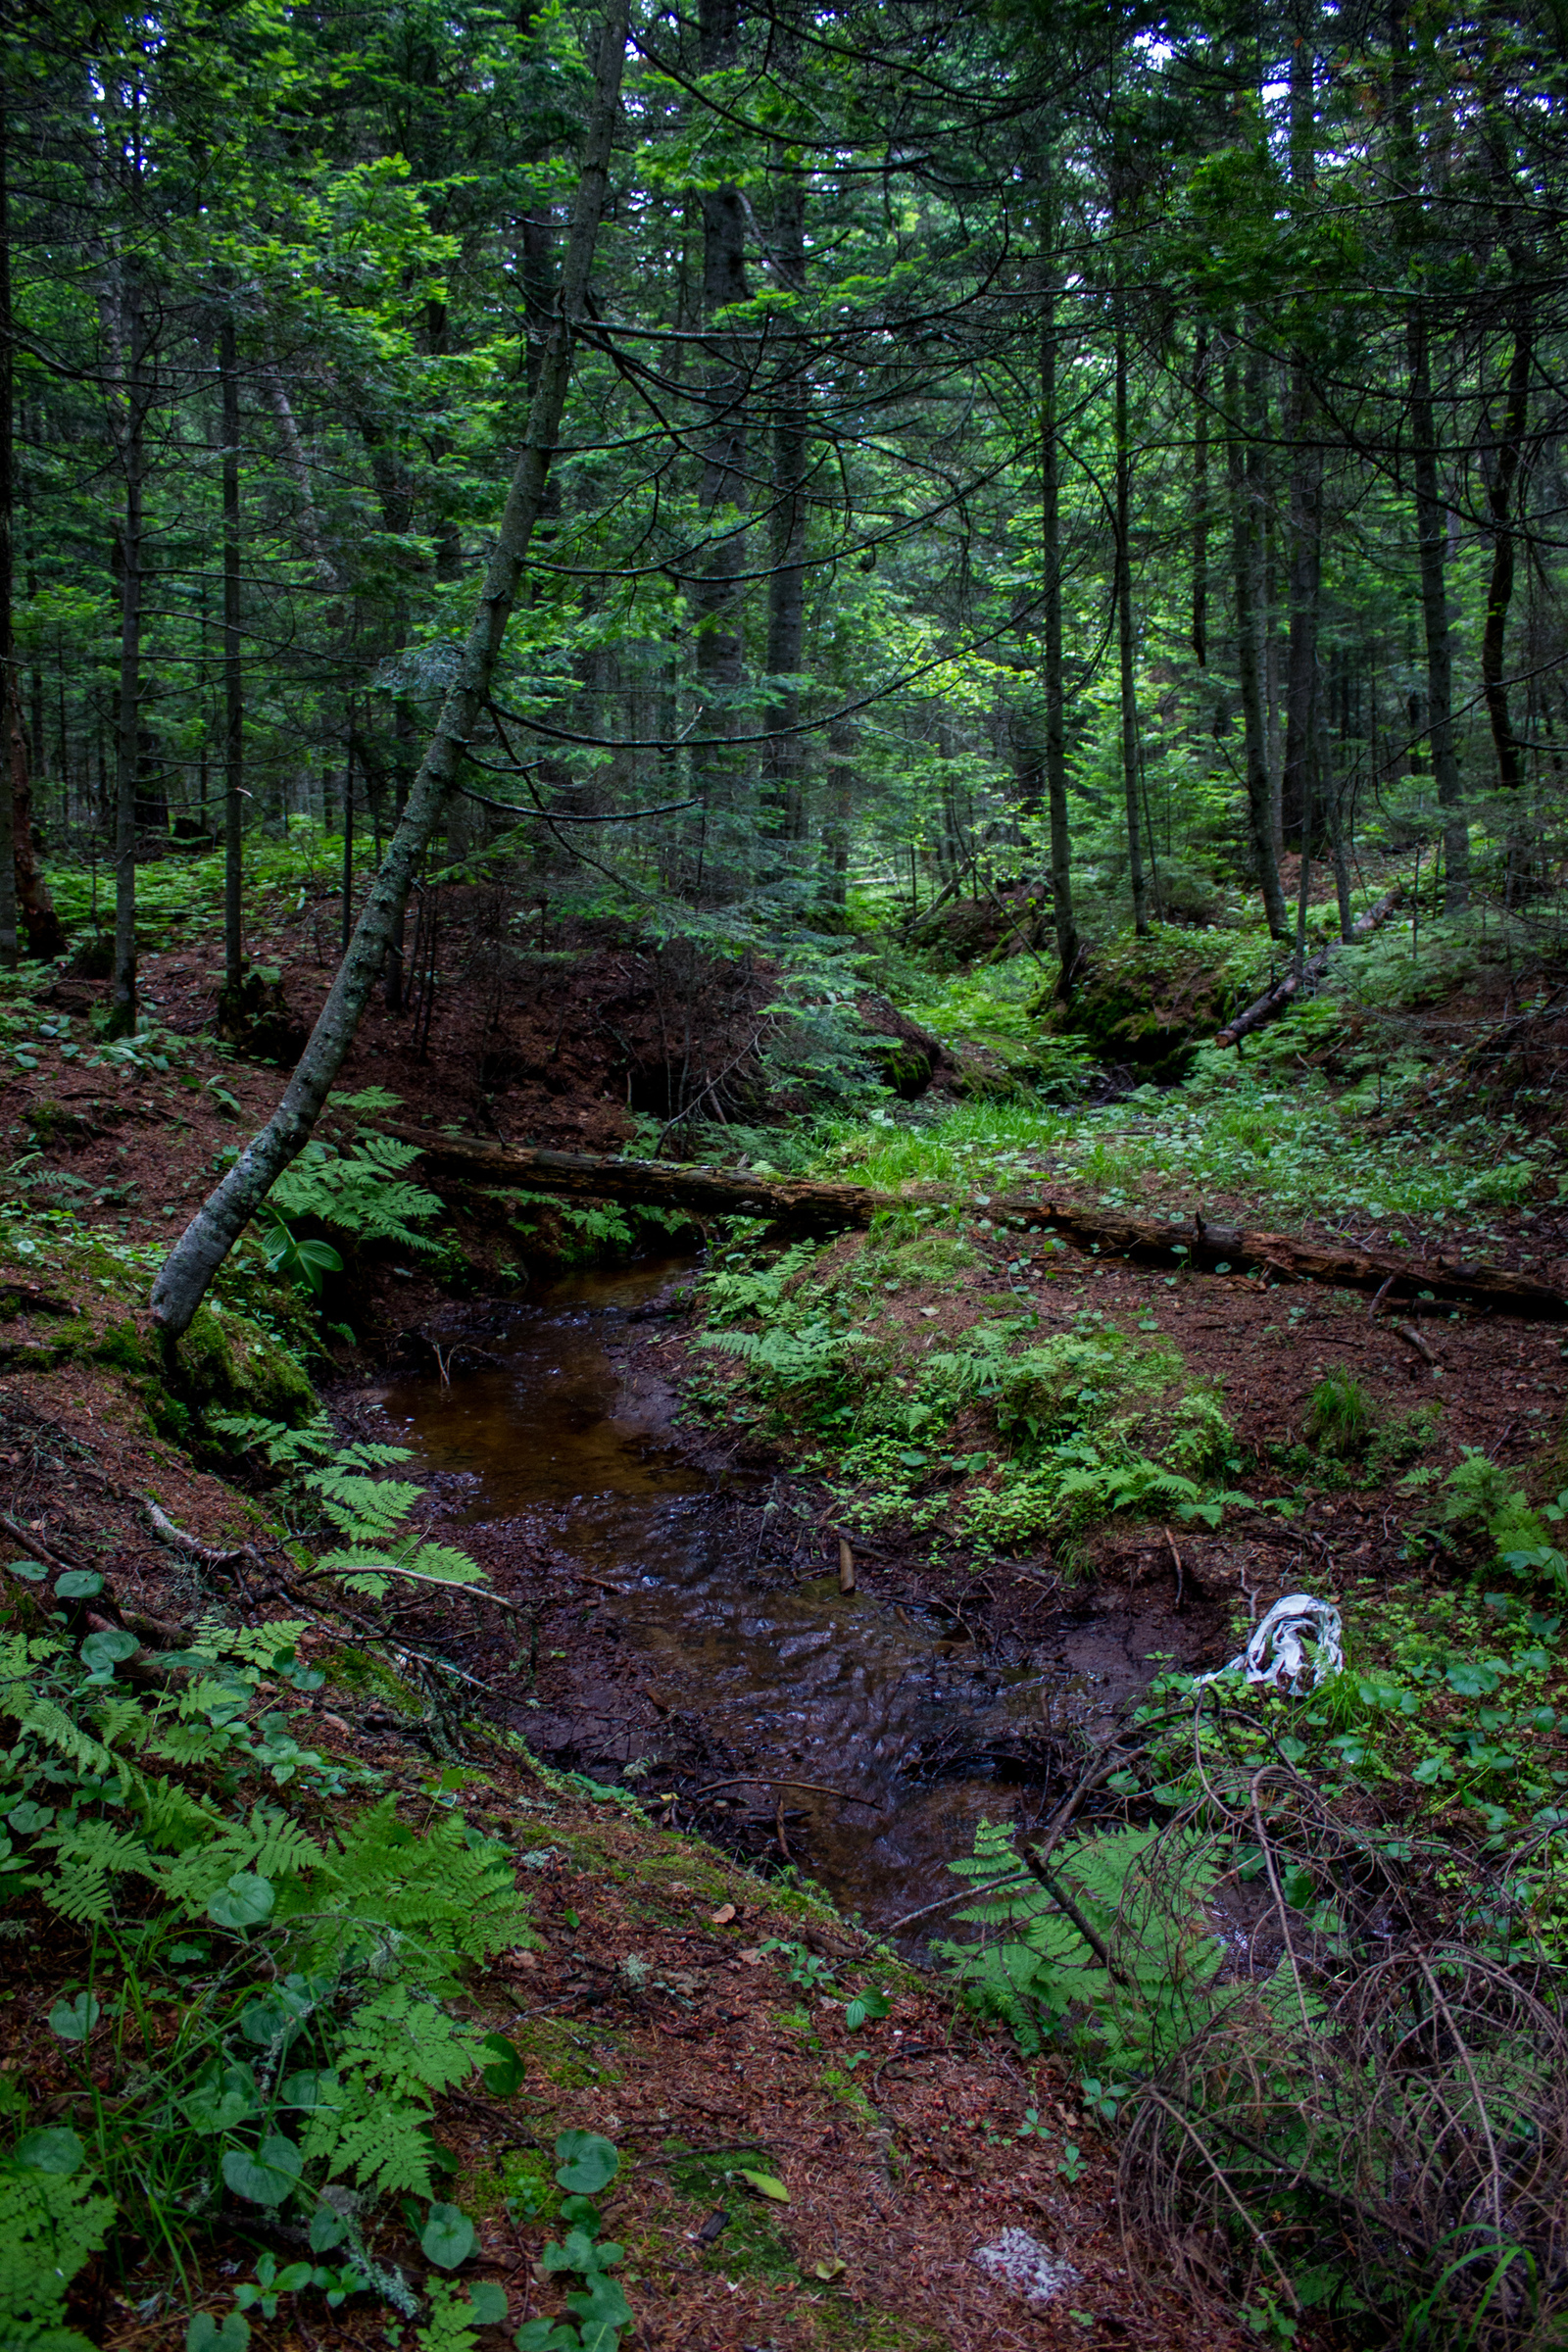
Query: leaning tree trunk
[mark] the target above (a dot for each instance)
(213, 1232)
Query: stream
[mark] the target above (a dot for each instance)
(885, 1703)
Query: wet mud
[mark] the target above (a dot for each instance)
(687, 1630)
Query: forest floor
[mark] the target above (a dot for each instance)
(650, 2011)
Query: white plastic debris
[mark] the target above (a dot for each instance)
(1022, 2263)
(1298, 1644)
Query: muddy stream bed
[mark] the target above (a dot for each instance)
(566, 1442)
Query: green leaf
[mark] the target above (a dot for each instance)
(269, 2176)
(26, 1818)
(584, 2163)
(505, 2073)
(600, 2302)
(315, 2090)
(244, 1902)
(549, 2335)
(864, 2005)
(329, 2228)
(204, 2334)
(1470, 1679)
(223, 2098)
(488, 2300)
(79, 1584)
(74, 2020)
(58, 2151)
(102, 1652)
(766, 2185)
(447, 2238)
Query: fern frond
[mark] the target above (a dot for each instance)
(49, 2226)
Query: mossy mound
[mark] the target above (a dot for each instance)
(1151, 1001)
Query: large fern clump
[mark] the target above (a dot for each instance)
(317, 2035)
(1123, 1942)
(362, 1193)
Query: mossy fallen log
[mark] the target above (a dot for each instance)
(1279, 998)
(800, 1205)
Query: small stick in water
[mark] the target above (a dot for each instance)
(846, 1566)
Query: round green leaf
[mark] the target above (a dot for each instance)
(269, 2176)
(487, 2299)
(102, 1652)
(59, 2151)
(27, 1817)
(243, 1903)
(503, 2072)
(447, 2238)
(28, 1570)
(223, 2097)
(74, 2020)
(329, 2228)
(584, 2163)
(79, 1584)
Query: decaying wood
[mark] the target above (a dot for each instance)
(703, 1191)
(806, 1207)
(1277, 1000)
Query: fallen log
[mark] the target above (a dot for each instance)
(1279, 998)
(803, 1205)
(798, 1202)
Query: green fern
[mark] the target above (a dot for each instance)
(397, 2054)
(49, 2226)
(362, 1193)
(425, 1901)
(1145, 1894)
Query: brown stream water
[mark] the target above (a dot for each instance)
(846, 1690)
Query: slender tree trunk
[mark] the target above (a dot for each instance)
(1200, 592)
(1305, 590)
(1500, 591)
(784, 801)
(1432, 526)
(840, 783)
(26, 906)
(1247, 567)
(211, 1235)
(1124, 625)
(1305, 522)
(1055, 697)
(233, 677)
(9, 941)
(719, 600)
(127, 726)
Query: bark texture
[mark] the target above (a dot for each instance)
(211, 1232)
(1248, 570)
(1056, 696)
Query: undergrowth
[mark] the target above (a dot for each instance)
(1249, 1966)
(994, 1434)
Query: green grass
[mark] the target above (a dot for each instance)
(1339, 1414)
(1280, 1143)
